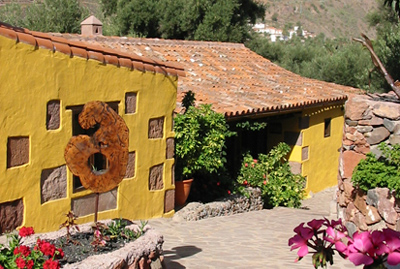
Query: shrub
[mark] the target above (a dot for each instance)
(272, 174)
(383, 172)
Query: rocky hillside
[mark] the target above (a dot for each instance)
(334, 18)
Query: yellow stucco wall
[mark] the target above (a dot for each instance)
(321, 167)
(31, 77)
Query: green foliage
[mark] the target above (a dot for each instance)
(200, 136)
(251, 126)
(117, 230)
(63, 16)
(216, 20)
(271, 173)
(383, 172)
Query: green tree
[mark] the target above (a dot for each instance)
(63, 16)
(213, 20)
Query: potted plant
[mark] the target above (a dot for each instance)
(200, 135)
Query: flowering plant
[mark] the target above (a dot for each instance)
(372, 249)
(271, 173)
(16, 255)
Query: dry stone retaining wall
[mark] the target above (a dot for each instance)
(369, 120)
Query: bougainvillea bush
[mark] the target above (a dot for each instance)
(271, 173)
(16, 255)
(372, 249)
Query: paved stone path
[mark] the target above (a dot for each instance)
(257, 239)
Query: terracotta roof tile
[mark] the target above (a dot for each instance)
(80, 48)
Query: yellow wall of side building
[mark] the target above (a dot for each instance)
(29, 78)
(321, 166)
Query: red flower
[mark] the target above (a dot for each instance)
(20, 262)
(264, 176)
(255, 161)
(46, 248)
(246, 165)
(229, 192)
(59, 253)
(50, 264)
(26, 231)
(29, 264)
(218, 183)
(265, 182)
(1, 267)
(24, 250)
(245, 182)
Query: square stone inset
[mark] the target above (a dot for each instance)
(17, 151)
(170, 148)
(53, 183)
(304, 153)
(53, 115)
(295, 167)
(169, 200)
(130, 102)
(11, 215)
(156, 177)
(156, 128)
(130, 168)
(85, 205)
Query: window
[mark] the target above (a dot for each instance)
(327, 128)
(97, 161)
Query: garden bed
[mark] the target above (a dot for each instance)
(140, 253)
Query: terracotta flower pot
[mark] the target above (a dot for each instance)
(182, 190)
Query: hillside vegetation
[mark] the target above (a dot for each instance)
(334, 18)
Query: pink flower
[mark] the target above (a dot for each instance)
(255, 161)
(218, 183)
(303, 234)
(26, 231)
(335, 236)
(265, 182)
(245, 165)
(360, 249)
(392, 246)
(264, 176)
(229, 192)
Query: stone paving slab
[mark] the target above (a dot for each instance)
(257, 239)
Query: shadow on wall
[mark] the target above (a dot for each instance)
(178, 253)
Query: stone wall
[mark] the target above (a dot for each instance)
(369, 120)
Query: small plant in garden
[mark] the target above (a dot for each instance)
(16, 255)
(117, 229)
(383, 172)
(70, 224)
(271, 173)
(99, 235)
(372, 249)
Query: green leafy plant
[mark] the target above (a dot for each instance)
(117, 229)
(383, 172)
(200, 136)
(271, 173)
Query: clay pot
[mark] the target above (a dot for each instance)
(182, 190)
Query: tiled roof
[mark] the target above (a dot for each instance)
(235, 80)
(89, 51)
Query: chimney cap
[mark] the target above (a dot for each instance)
(92, 20)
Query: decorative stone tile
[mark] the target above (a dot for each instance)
(293, 138)
(295, 167)
(130, 168)
(11, 215)
(156, 177)
(304, 153)
(85, 205)
(169, 201)
(156, 127)
(17, 151)
(53, 115)
(170, 148)
(53, 183)
(130, 102)
(173, 175)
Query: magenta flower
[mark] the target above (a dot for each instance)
(335, 237)
(361, 250)
(392, 239)
(303, 234)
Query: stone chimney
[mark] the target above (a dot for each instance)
(91, 26)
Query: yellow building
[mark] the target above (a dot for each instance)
(44, 83)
